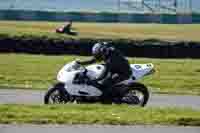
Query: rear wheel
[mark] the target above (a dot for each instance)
(137, 94)
(56, 95)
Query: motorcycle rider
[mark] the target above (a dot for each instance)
(117, 67)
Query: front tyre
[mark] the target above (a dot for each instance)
(137, 94)
(56, 95)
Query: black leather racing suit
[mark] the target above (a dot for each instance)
(117, 69)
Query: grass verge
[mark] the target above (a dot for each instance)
(173, 76)
(172, 32)
(98, 114)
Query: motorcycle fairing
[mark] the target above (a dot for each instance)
(82, 90)
(66, 76)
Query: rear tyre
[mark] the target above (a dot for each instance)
(137, 94)
(56, 95)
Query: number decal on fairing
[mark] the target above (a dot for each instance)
(149, 65)
(138, 67)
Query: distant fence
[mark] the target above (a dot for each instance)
(98, 17)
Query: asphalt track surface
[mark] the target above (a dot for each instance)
(94, 129)
(16, 96)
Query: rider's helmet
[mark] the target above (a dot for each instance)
(100, 50)
(96, 50)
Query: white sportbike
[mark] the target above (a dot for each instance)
(67, 91)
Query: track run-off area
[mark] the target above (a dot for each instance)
(95, 128)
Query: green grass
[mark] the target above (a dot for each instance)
(173, 76)
(98, 114)
(172, 32)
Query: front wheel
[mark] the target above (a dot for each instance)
(137, 94)
(56, 95)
